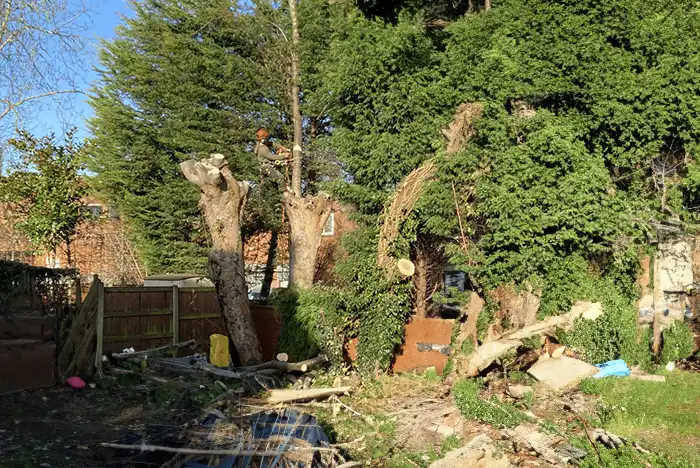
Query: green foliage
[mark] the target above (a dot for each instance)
(678, 342)
(363, 304)
(181, 79)
(45, 189)
(613, 335)
(314, 320)
(491, 411)
(545, 199)
(381, 307)
(388, 105)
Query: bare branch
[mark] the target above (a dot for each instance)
(42, 53)
(13, 105)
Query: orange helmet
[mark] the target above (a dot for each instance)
(262, 134)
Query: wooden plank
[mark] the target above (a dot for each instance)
(125, 339)
(175, 322)
(100, 326)
(138, 313)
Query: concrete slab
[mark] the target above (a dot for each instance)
(561, 373)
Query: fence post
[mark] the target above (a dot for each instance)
(100, 325)
(176, 315)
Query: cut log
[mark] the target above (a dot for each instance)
(580, 309)
(286, 396)
(406, 267)
(303, 366)
(282, 357)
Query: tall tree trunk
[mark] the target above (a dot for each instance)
(420, 281)
(307, 216)
(296, 108)
(269, 265)
(487, 4)
(222, 201)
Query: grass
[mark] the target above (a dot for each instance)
(662, 416)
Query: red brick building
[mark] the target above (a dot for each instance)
(102, 247)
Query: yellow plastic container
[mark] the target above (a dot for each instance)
(218, 350)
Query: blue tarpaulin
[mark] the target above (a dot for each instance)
(616, 368)
(283, 427)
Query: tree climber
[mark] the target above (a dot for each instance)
(269, 159)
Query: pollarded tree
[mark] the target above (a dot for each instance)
(222, 201)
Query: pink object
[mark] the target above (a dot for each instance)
(75, 382)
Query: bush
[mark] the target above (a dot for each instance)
(313, 322)
(613, 335)
(492, 411)
(364, 304)
(678, 342)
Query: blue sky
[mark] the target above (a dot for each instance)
(104, 17)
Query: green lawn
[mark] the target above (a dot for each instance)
(664, 416)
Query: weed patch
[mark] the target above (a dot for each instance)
(491, 411)
(678, 342)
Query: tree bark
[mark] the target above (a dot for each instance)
(487, 4)
(307, 216)
(420, 281)
(222, 201)
(269, 265)
(296, 108)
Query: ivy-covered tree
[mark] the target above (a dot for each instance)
(46, 190)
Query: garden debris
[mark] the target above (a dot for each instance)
(561, 373)
(519, 391)
(571, 452)
(616, 368)
(442, 349)
(606, 438)
(588, 310)
(478, 453)
(490, 351)
(286, 396)
(690, 364)
(266, 439)
(487, 353)
(262, 376)
(303, 366)
(527, 437)
(612, 441)
(129, 354)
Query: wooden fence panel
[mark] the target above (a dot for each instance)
(142, 318)
(138, 318)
